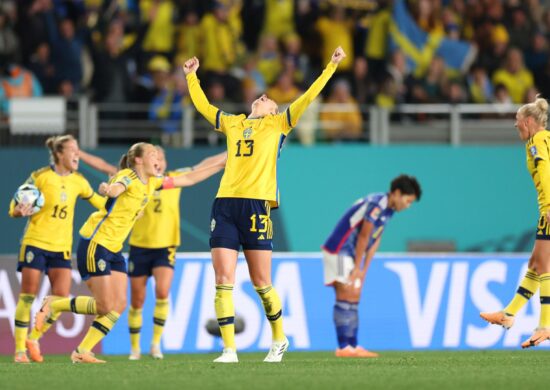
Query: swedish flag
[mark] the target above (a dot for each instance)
(420, 47)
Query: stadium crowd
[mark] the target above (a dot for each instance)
(132, 50)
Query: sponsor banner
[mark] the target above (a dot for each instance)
(409, 302)
(63, 336)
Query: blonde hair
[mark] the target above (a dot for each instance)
(538, 110)
(128, 160)
(55, 145)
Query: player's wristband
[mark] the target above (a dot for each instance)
(168, 183)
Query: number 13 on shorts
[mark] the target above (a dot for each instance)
(261, 223)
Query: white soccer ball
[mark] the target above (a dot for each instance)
(29, 194)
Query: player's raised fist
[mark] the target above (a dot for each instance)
(338, 55)
(191, 65)
(103, 189)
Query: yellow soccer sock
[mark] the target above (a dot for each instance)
(101, 326)
(527, 287)
(22, 319)
(159, 319)
(544, 301)
(225, 313)
(273, 310)
(135, 320)
(37, 334)
(79, 305)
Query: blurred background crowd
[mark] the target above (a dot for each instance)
(120, 51)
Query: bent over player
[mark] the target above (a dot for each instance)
(349, 249)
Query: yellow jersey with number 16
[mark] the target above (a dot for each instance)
(51, 228)
(110, 226)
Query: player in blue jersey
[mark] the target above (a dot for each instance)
(349, 249)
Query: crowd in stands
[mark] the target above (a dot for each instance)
(119, 51)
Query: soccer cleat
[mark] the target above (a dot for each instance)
(275, 354)
(85, 357)
(228, 356)
(44, 313)
(34, 350)
(538, 337)
(498, 318)
(21, 357)
(155, 352)
(347, 352)
(363, 353)
(135, 354)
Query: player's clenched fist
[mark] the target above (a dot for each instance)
(338, 55)
(191, 65)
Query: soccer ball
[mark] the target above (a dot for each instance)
(29, 194)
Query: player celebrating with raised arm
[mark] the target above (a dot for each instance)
(99, 257)
(248, 191)
(531, 121)
(47, 243)
(153, 243)
(348, 252)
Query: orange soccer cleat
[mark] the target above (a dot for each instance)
(85, 357)
(347, 352)
(44, 313)
(363, 353)
(498, 318)
(539, 335)
(34, 350)
(21, 357)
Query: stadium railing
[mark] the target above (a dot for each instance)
(455, 124)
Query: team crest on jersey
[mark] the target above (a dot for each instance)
(375, 213)
(533, 150)
(29, 257)
(101, 264)
(247, 133)
(131, 266)
(212, 225)
(63, 197)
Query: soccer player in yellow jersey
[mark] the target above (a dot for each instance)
(248, 190)
(99, 257)
(531, 121)
(153, 243)
(47, 242)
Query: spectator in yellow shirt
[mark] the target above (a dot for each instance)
(341, 116)
(514, 76)
(336, 29)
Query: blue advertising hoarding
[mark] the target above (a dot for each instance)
(409, 302)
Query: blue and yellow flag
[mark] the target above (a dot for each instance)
(420, 47)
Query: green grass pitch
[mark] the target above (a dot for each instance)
(466, 370)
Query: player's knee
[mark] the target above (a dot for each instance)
(137, 302)
(161, 293)
(222, 278)
(121, 304)
(104, 307)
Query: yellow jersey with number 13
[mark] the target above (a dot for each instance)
(111, 225)
(254, 144)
